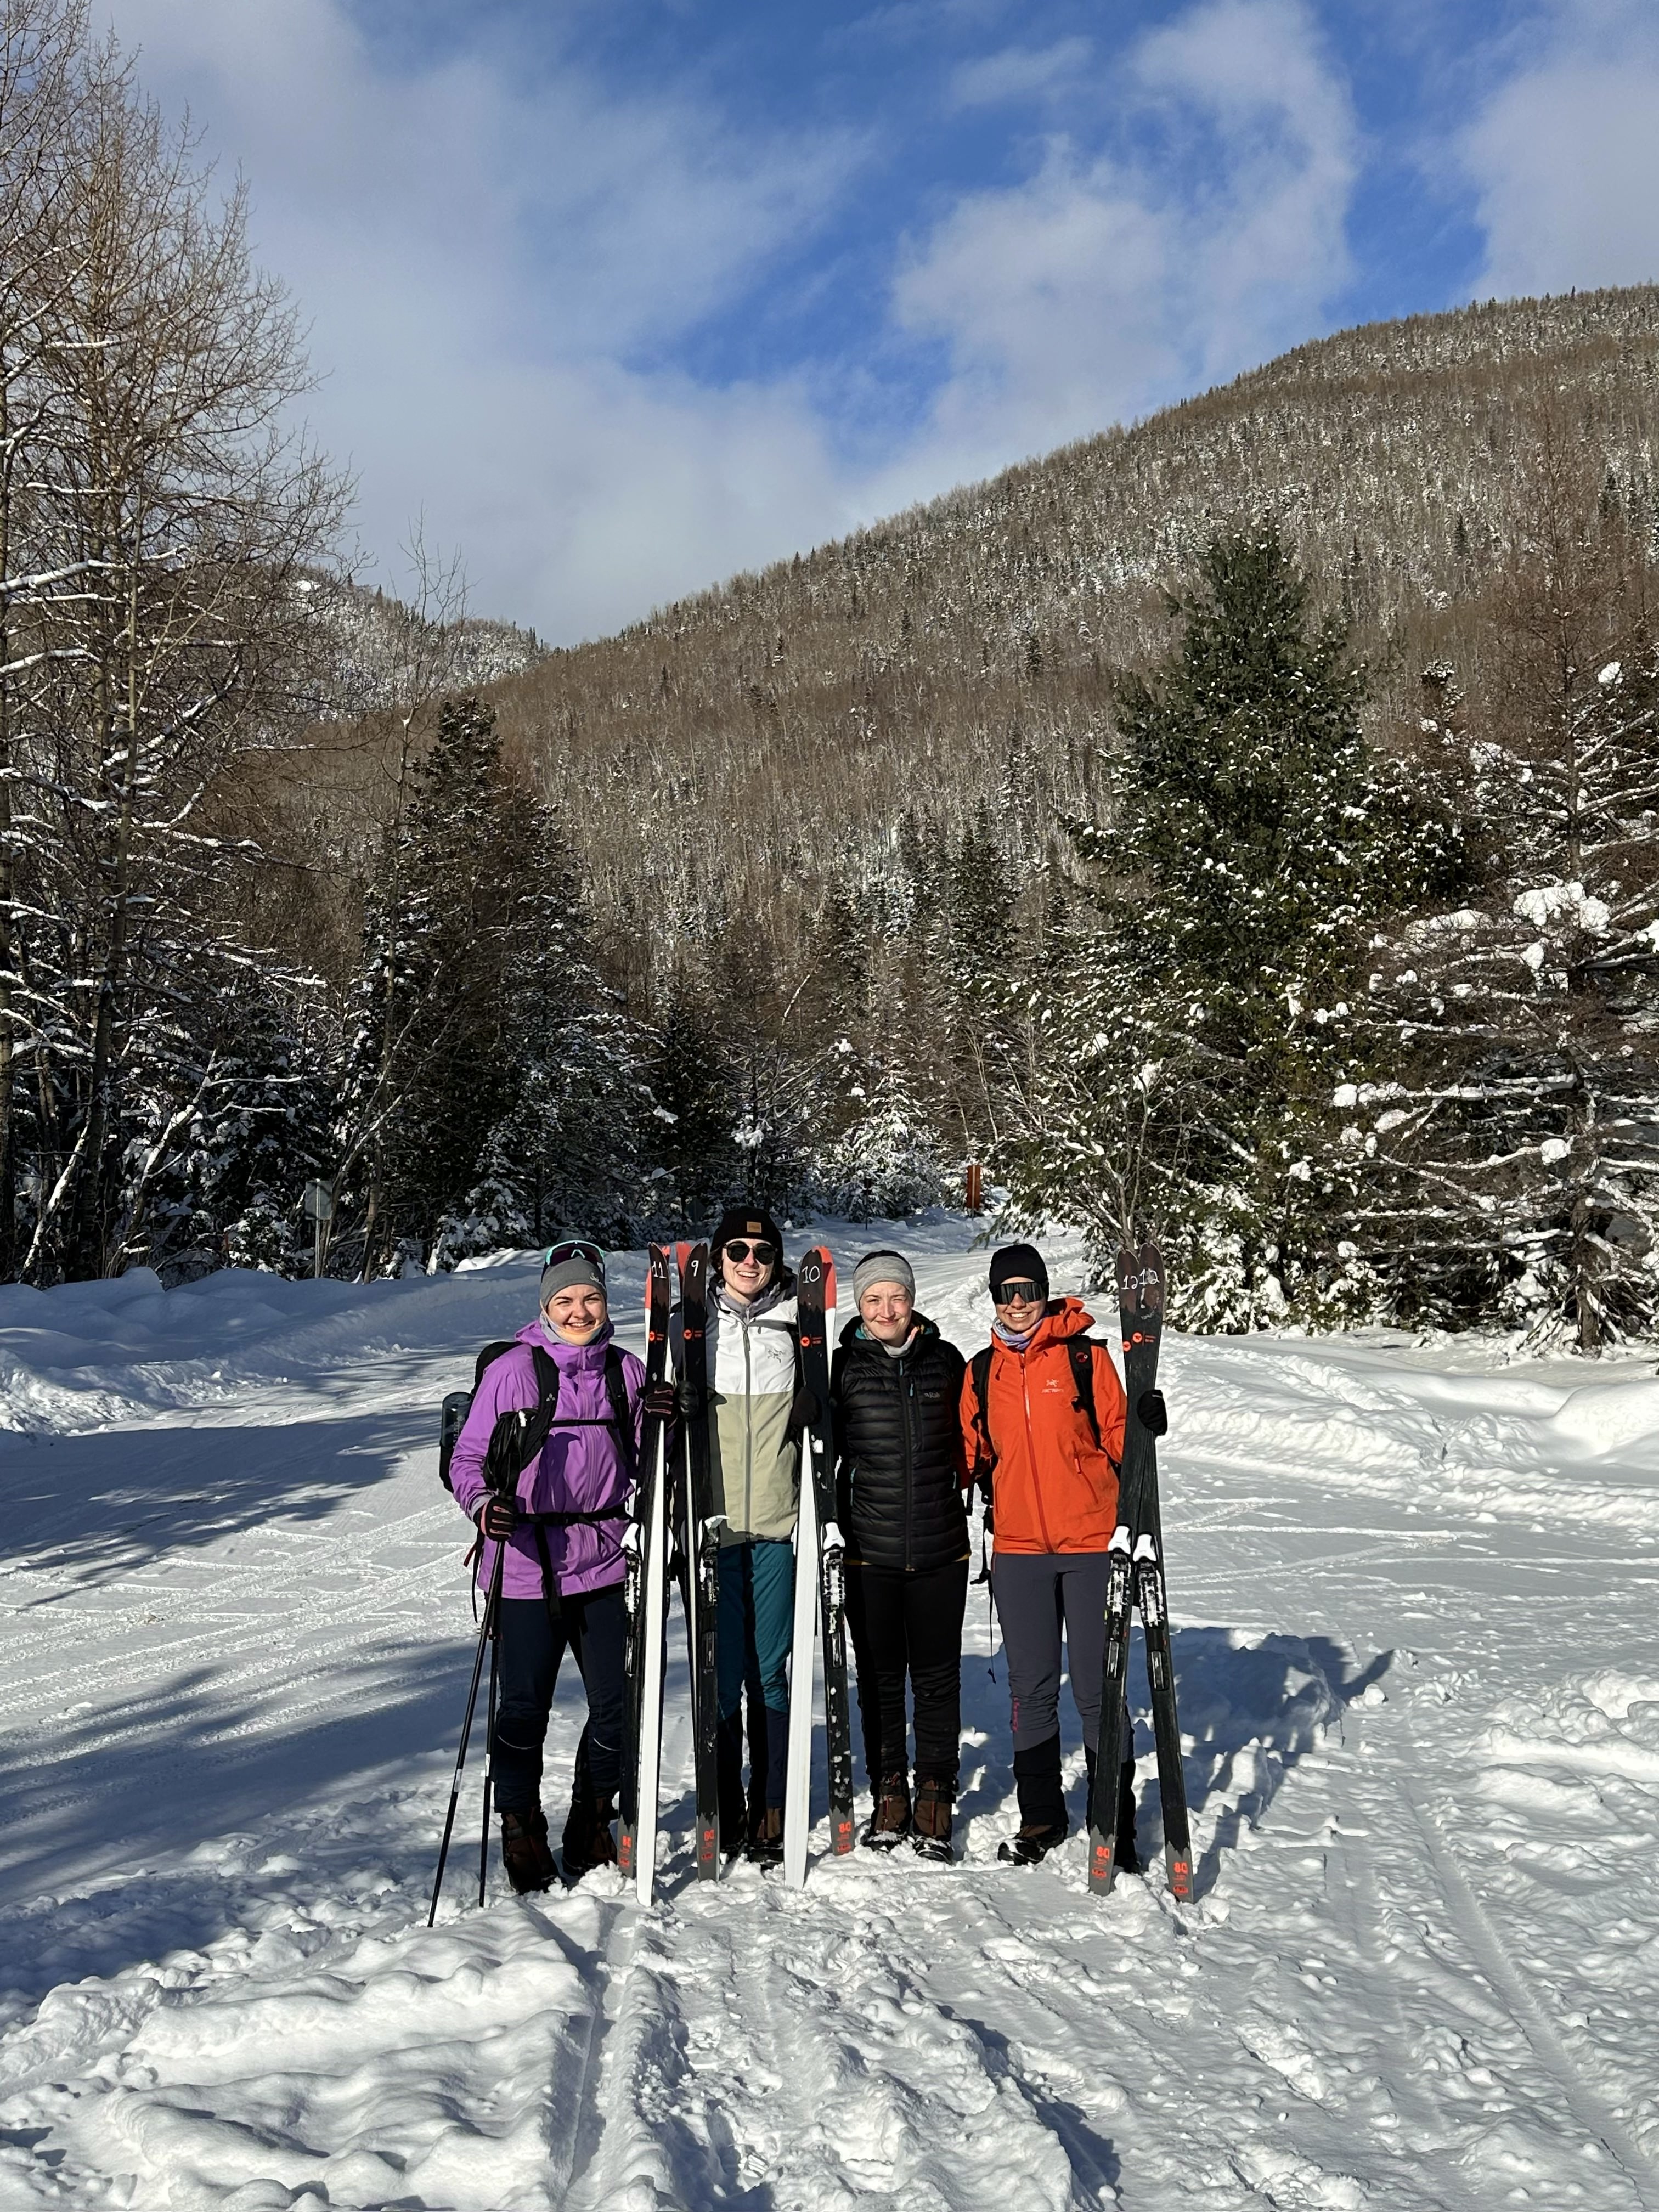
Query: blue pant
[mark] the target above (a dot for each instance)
(755, 1628)
(755, 1623)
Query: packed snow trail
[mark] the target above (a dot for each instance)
(1414, 1595)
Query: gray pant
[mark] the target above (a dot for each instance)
(1035, 1592)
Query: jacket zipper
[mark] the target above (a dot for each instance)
(1031, 1455)
(748, 1434)
(907, 1398)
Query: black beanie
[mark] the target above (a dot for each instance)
(1019, 1263)
(752, 1222)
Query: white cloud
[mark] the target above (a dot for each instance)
(483, 265)
(503, 270)
(1107, 283)
(1565, 154)
(1018, 73)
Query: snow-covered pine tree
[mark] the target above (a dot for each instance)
(693, 1160)
(567, 1151)
(886, 1162)
(426, 1077)
(1518, 1143)
(1199, 1021)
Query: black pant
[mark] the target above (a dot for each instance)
(595, 1628)
(909, 1624)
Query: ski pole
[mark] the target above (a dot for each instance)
(466, 1729)
(490, 1761)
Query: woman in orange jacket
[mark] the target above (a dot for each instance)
(1042, 1414)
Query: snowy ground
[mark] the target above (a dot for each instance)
(1414, 1592)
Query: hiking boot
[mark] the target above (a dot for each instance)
(588, 1840)
(1031, 1844)
(524, 1855)
(889, 1823)
(934, 1804)
(1042, 1821)
(766, 1842)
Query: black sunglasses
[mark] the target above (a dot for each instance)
(1017, 1294)
(739, 1248)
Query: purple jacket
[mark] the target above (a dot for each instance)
(578, 1470)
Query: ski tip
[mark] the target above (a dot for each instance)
(842, 1838)
(1180, 1877)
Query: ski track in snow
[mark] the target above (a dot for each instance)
(1413, 1589)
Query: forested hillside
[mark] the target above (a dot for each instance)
(1248, 818)
(771, 731)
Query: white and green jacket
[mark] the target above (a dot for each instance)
(752, 1376)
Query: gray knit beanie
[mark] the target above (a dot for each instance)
(570, 1264)
(883, 1267)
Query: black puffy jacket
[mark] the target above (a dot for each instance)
(898, 1450)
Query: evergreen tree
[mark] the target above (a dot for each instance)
(566, 1152)
(886, 1162)
(694, 1159)
(1200, 1021)
(1514, 1151)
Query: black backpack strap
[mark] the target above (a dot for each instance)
(615, 1388)
(1081, 1352)
(979, 1367)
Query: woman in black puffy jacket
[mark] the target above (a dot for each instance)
(896, 1386)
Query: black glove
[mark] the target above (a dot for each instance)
(661, 1400)
(982, 1483)
(498, 1517)
(802, 1413)
(1152, 1413)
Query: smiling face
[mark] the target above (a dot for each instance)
(886, 1310)
(1019, 1307)
(577, 1315)
(746, 1265)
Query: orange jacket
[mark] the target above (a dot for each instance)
(1052, 1491)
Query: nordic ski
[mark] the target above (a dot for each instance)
(645, 1593)
(1136, 1576)
(699, 1542)
(820, 1590)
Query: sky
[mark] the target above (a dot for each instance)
(613, 298)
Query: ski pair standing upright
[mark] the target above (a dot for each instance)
(1135, 1578)
(673, 1514)
(674, 1509)
(820, 1590)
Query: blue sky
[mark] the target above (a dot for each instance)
(623, 297)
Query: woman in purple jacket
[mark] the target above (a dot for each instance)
(562, 1585)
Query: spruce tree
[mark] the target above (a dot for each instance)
(1200, 1017)
(1513, 1140)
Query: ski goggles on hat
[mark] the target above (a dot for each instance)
(574, 1248)
(1017, 1294)
(742, 1248)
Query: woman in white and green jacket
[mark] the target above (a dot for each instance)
(754, 1362)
